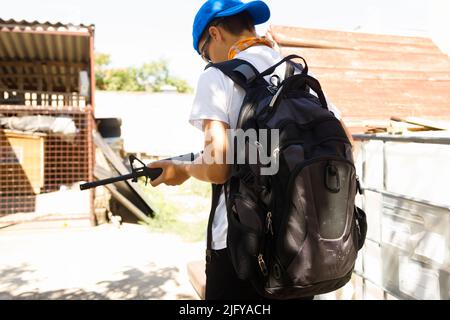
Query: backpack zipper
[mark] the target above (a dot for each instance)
(269, 225)
(262, 265)
(269, 228)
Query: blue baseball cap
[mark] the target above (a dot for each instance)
(211, 9)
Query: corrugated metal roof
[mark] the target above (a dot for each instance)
(31, 41)
(36, 26)
(373, 76)
(43, 55)
(43, 47)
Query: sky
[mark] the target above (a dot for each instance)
(138, 31)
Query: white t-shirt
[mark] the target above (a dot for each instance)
(218, 98)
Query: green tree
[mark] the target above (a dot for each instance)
(122, 80)
(181, 84)
(151, 76)
(102, 60)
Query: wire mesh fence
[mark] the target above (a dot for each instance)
(42, 148)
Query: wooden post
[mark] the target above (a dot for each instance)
(90, 111)
(39, 83)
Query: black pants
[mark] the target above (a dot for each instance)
(222, 283)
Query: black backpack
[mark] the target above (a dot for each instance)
(295, 233)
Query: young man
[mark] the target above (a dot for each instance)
(223, 30)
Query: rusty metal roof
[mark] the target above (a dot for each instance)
(36, 26)
(30, 41)
(373, 76)
(43, 56)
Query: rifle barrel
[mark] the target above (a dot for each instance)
(97, 183)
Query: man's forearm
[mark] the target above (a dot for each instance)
(213, 173)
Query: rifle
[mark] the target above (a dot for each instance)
(136, 172)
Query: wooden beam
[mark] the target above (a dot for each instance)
(3, 84)
(427, 123)
(46, 69)
(92, 72)
(36, 75)
(6, 79)
(67, 109)
(32, 88)
(61, 93)
(18, 63)
(91, 101)
(20, 82)
(40, 84)
(102, 173)
(380, 75)
(118, 165)
(340, 38)
(371, 60)
(81, 33)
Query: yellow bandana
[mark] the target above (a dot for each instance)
(246, 43)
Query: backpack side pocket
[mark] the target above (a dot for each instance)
(244, 235)
(361, 221)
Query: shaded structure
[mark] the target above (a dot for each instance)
(47, 88)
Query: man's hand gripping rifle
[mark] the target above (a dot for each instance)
(136, 172)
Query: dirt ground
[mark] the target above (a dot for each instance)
(71, 260)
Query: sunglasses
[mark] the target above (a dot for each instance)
(203, 50)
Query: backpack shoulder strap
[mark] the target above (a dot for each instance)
(289, 70)
(216, 191)
(242, 72)
(284, 60)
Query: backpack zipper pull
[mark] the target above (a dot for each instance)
(269, 226)
(275, 97)
(262, 265)
(358, 185)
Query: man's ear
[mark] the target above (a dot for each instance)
(216, 33)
